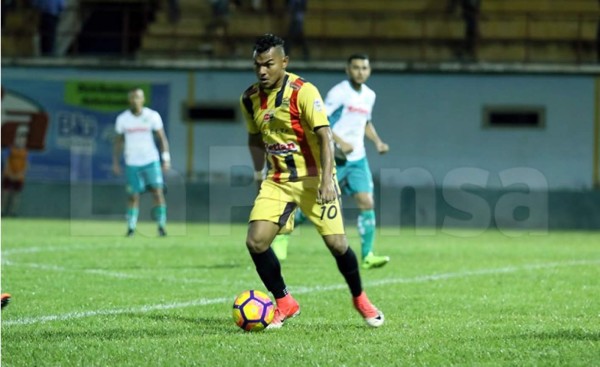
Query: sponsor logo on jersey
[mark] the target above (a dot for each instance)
(358, 109)
(137, 129)
(281, 148)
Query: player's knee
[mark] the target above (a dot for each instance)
(365, 201)
(256, 245)
(337, 244)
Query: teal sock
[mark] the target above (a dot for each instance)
(366, 229)
(160, 215)
(132, 217)
(299, 218)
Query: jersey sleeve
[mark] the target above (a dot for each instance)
(334, 100)
(370, 117)
(119, 125)
(246, 107)
(312, 107)
(157, 122)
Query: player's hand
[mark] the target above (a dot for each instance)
(326, 193)
(166, 166)
(382, 147)
(346, 148)
(116, 168)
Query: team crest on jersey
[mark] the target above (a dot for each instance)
(268, 117)
(318, 105)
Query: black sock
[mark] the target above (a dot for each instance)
(269, 270)
(348, 266)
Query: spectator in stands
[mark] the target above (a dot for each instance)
(13, 175)
(49, 16)
(220, 22)
(470, 10)
(7, 5)
(297, 12)
(598, 38)
(174, 11)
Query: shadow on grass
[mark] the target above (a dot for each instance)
(564, 335)
(163, 325)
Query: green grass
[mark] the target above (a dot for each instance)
(84, 295)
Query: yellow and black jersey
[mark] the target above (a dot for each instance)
(286, 118)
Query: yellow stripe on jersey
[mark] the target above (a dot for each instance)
(286, 118)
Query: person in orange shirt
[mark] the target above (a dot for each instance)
(13, 176)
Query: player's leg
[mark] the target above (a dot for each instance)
(348, 266)
(133, 211)
(271, 211)
(7, 196)
(135, 186)
(280, 246)
(360, 184)
(329, 223)
(6, 201)
(154, 179)
(159, 210)
(17, 188)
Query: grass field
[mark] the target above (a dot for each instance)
(492, 299)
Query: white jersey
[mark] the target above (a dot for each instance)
(140, 148)
(349, 110)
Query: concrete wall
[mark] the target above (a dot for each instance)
(426, 209)
(432, 122)
(448, 168)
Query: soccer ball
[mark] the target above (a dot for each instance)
(253, 310)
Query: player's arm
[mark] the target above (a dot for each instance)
(371, 134)
(344, 146)
(257, 152)
(327, 191)
(165, 154)
(117, 152)
(333, 102)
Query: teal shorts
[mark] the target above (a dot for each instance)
(142, 178)
(354, 177)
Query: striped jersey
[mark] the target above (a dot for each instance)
(349, 110)
(286, 118)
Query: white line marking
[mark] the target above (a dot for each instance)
(298, 290)
(111, 274)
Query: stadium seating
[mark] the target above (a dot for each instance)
(398, 30)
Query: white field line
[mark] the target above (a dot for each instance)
(298, 290)
(36, 249)
(110, 274)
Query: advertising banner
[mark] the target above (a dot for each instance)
(78, 117)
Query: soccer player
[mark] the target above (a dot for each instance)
(350, 105)
(13, 176)
(135, 129)
(288, 129)
(5, 299)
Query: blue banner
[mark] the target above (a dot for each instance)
(81, 115)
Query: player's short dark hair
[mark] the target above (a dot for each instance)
(266, 41)
(357, 57)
